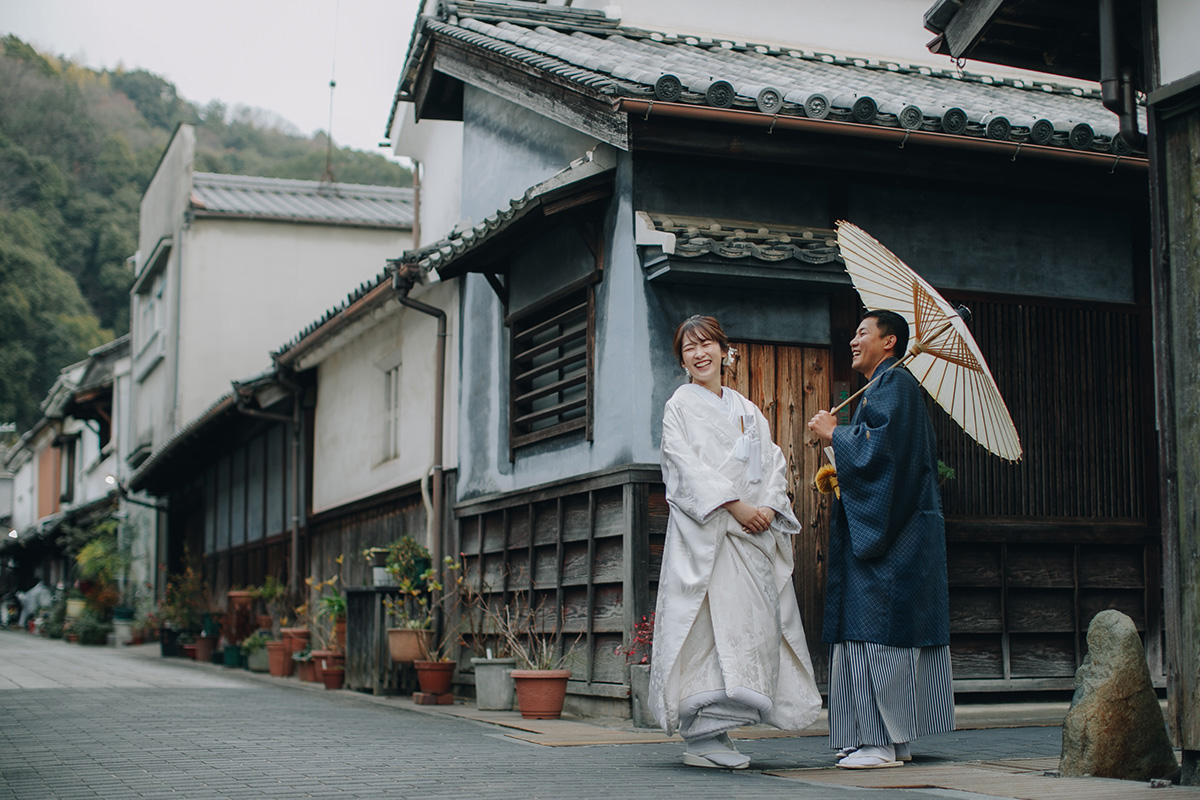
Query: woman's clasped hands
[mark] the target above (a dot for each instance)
(753, 519)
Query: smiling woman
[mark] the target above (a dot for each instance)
(729, 647)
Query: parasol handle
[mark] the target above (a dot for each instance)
(908, 357)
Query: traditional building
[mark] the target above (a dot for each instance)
(228, 267)
(620, 179)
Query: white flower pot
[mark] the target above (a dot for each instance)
(493, 683)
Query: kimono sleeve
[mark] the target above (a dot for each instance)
(774, 472)
(692, 486)
(875, 460)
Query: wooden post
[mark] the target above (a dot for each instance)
(1176, 278)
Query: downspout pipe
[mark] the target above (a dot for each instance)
(403, 281)
(294, 420)
(1116, 81)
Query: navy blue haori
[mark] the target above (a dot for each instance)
(887, 544)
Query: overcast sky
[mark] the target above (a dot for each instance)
(272, 54)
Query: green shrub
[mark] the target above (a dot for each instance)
(253, 643)
(91, 628)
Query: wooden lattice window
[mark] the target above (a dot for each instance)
(551, 368)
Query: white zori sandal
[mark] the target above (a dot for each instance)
(902, 752)
(870, 757)
(714, 752)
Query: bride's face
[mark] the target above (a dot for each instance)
(702, 359)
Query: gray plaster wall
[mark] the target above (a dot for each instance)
(507, 149)
(622, 412)
(1000, 244)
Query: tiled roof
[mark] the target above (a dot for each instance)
(663, 67)
(439, 255)
(312, 201)
(145, 475)
(736, 239)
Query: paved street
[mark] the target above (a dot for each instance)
(80, 722)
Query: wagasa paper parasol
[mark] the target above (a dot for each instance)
(942, 354)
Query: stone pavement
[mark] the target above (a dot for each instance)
(82, 722)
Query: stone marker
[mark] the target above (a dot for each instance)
(1115, 727)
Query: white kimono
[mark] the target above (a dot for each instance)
(729, 646)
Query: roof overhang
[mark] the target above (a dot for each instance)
(1059, 37)
(482, 248)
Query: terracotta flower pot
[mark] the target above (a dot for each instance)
(541, 692)
(265, 622)
(333, 677)
(295, 638)
(307, 670)
(319, 658)
(240, 598)
(408, 644)
(189, 651)
(204, 648)
(434, 677)
(278, 660)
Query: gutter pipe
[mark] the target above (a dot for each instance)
(898, 136)
(402, 282)
(1116, 81)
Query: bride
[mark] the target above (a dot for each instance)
(729, 646)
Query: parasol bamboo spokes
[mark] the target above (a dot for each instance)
(935, 334)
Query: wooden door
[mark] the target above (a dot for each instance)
(790, 384)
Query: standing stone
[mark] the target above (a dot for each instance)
(1115, 727)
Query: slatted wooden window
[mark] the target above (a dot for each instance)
(551, 368)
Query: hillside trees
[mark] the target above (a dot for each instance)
(77, 150)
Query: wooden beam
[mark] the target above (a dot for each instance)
(968, 24)
(536, 90)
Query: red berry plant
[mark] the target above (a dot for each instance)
(641, 642)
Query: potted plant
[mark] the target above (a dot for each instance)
(493, 665)
(187, 645)
(254, 649)
(410, 619)
(541, 683)
(333, 676)
(637, 655)
(91, 628)
(333, 608)
(278, 662)
(184, 603)
(306, 665)
(377, 558)
(273, 594)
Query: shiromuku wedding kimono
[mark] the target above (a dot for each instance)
(729, 646)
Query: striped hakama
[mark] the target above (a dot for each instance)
(880, 695)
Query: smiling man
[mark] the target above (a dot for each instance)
(886, 602)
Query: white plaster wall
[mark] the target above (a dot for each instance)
(1178, 23)
(249, 287)
(437, 144)
(161, 216)
(166, 197)
(24, 494)
(348, 452)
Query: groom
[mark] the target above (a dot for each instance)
(886, 607)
